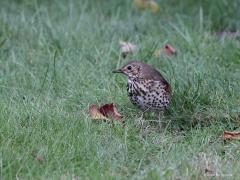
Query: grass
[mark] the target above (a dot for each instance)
(56, 60)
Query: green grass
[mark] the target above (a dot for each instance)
(56, 59)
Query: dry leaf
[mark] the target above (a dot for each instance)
(228, 135)
(167, 50)
(146, 4)
(95, 113)
(109, 110)
(127, 47)
(106, 111)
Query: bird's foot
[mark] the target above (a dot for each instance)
(140, 120)
(160, 120)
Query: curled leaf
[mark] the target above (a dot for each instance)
(127, 47)
(109, 110)
(228, 135)
(167, 50)
(95, 113)
(106, 111)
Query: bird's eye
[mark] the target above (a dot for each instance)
(129, 67)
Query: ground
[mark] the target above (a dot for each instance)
(56, 60)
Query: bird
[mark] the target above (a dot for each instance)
(146, 87)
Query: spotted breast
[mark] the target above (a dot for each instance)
(147, 88)
(148, 95)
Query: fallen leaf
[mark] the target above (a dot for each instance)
(146, 4)
(167, 50)
(228, 135)
(109, 110)
(95, 113)
(106, 111)
(127, 47)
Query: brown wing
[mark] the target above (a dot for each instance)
(150, 73)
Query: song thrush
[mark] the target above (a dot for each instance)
(147, 88)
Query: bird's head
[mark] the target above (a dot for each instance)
(132, 69)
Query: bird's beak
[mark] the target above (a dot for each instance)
(117, 71)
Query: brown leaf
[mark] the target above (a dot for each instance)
(95, 113)
(228, 135)
(167, 50)
(110, 111)
(106, 111)
(127, 47)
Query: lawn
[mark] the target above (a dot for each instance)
(56, 59)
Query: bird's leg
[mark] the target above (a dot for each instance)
(144, 126)
(140, 120)
(159, 117)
